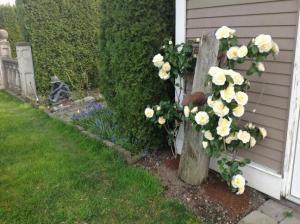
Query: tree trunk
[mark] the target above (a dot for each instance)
(194, 162)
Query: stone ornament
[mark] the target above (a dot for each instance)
(3, 35)
(59, 91)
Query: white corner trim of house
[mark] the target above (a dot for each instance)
(180, 28)
(293, 123)
(180, 36)
(260, 178)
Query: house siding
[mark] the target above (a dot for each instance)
(269, 94)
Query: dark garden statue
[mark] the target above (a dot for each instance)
(59, 90)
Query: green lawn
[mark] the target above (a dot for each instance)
(49, 173)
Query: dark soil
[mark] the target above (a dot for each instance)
(211, 201)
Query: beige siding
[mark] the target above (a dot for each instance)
(250, 18)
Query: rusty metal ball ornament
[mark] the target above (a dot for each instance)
(3, 35)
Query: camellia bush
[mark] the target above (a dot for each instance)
(219, 118)
(64, 36)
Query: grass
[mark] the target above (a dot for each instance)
(49, 173)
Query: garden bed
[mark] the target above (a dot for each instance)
(212, 200)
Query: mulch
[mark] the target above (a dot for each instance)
(212, 200)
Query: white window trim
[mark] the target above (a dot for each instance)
(294, 111)
(180, 37)
(180, 21)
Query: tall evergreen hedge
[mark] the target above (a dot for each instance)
(64, 35)
(8, 21)
(132, 32)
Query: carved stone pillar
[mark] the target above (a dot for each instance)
(27, 80)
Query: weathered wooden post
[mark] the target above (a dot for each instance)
(194, 162)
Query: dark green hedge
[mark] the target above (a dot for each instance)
(65, 40)
(132, 32)
(8, 21)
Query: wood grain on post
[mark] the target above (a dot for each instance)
(194, 162)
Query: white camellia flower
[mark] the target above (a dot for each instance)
(224, 32)
(210, 102)
(263, 132)
(223, 131)
(232, 53)
(214, 70)
(204, 144)
(161, 120)
(186, 111)
(228, 94)
(275, 48)
(244, 136)
(158, 60)
(220, 109)
(228, 140)
(264, 43)
(231, 138)
(194, 110)
(260, 66)
(242, 51)
(163, 75)
(237, 78)
(202, 118)
(250, 126)
(166, 67)
(170, 42)
(149, 112)
(158, 108)
(219, 78)
(239, 111)
(208, 135)
(241, 98)
(240, 191)
(252, 142)
(223, 128)
(224, 122)
(179, 49)
(239, 182)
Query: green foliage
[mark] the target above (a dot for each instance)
(230, 168)
(8, 21)
(180, 57)
(100, 121)
(131, 34)
(64, 38)
(173, 61)
(50, 173)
